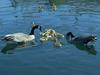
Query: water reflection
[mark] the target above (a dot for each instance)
(90, 49)
(9, 48)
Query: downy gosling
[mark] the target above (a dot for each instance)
(51, 35)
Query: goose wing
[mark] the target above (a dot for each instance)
(19, 37)
(83, 39)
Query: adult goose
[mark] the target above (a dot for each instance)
(85, 39)
(22, 37)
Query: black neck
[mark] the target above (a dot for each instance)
(70, 34)
(32, 31)
(40, 28)
(35, 27)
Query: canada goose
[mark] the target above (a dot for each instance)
(85, 39)
(21, 37)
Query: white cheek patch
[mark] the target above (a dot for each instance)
(95, 38)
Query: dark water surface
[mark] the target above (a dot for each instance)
(78, 16)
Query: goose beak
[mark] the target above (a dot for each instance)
(40, 28)
(35, 26)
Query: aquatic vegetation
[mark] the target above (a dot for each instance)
(54, 3)
(40, 8)
(14, 3)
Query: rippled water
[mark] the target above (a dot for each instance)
(79, 16)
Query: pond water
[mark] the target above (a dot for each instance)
(78, 16)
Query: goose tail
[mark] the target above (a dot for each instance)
(2, 37)
(7, 38)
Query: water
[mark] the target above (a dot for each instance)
(79, 16)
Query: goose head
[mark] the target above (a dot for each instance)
(70, 36)
(35, 27)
